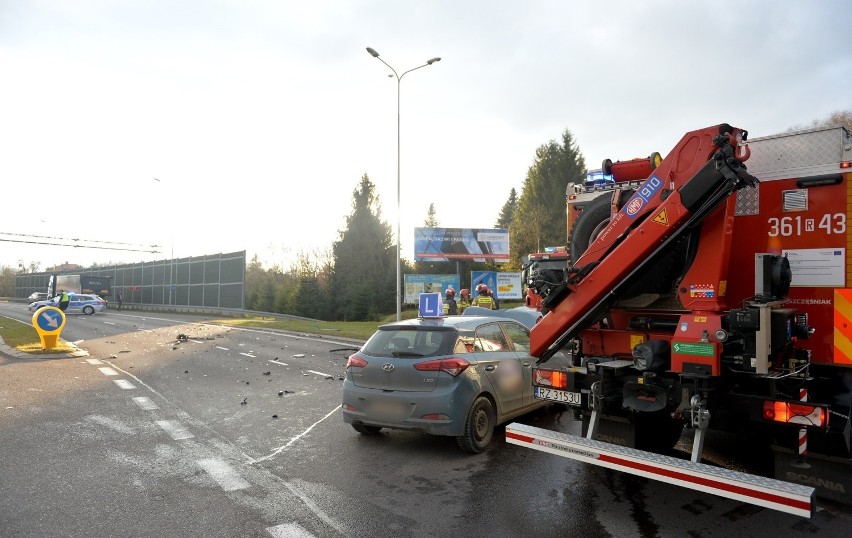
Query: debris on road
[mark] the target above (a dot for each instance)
(267, 373)
(245, 400)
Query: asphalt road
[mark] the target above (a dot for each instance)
(237, 432)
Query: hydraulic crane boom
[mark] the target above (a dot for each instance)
(698, 175)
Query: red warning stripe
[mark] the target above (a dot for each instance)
(707, 482)
(677, 475)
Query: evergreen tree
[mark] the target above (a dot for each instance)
(540, 219)
(507, 213)
(431, 221)
(363, 281)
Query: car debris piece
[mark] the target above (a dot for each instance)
(280, 393)
(244, 401)
(267, 373)
(274, 416)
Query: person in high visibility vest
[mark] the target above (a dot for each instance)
(64, 299)
(482, 299)
(464, 301)
(450, 307)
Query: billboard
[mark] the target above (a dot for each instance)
(473, 244)
(509, 286)
(504, 285)
(417, 284)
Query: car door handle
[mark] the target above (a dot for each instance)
(526, 364)
(490, 368)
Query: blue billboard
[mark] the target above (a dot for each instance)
(473, 244)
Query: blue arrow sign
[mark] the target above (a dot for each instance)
(50, 320)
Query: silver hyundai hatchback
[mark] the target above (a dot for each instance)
(458, 376)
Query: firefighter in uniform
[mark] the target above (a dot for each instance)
(482, 299)
(450, 307)
(464, 301)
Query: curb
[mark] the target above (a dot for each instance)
(13, 353)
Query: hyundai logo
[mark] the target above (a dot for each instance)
(387, 367)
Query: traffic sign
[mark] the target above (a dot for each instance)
(431, 305)
(48, 322)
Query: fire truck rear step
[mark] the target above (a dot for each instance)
(770, 493)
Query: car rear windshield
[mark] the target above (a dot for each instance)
(410, 342)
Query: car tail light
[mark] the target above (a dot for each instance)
(453, 366)
(550, 378)
(435, 416)
(795, 413)
(356, 361)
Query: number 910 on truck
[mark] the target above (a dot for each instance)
(710, 290)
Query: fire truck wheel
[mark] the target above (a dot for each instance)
(366, 430)
(591, 222)
(478, 427)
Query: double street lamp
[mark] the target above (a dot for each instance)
(375, 54)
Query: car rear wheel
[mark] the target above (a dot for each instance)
(88, 310)
(478, 427)
(366, 430)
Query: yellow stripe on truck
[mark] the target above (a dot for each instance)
(842, 330)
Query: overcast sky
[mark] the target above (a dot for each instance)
(258, 118)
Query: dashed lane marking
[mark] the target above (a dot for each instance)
(175, 429)
(318, 373)
(93, 361)
(109, 323)
(145, 403)
(111, 423)
(224, 475)
(248, 355)
(125, 384)
(288, 530)
(222, 348)
(108, 371)
(277, 362)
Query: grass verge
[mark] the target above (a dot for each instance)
(23, 337)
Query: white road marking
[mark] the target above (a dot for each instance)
(294, 439)
(222, 348)
(316, 509)
(224, 475)
(109, 323)
(288, 530)
(175, 429)
(111, 423)
(93, 361)
(123, 383)
(281, 363)
(138, 380)
(318, 373)
(196, 341)
(248, 355)
(108, 371)
(145, 403)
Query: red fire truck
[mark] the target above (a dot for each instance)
(716, 294)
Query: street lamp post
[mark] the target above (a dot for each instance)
(171, 262)
(375, 54)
